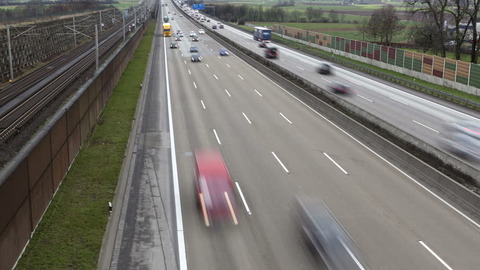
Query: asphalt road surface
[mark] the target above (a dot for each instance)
(275, 148)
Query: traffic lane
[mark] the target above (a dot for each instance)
(211, 90)
(208, 248)
(263, 113)
(406, 208)
(268, 135)
(287, 110)
(423, 119)
(425, 126)
(401, 241)
(276, 188)
(283, 256)
(385, 94)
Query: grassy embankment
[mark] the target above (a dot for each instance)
(71, 232)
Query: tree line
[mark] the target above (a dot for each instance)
(243, 13)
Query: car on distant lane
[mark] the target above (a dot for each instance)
(341, 88)
(196, 58)
(223, 52)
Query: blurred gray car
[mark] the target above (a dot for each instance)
(462, 138)
(327, 236)
(324, 68)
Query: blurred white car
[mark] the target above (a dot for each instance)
(201, 31)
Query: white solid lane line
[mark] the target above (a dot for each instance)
(399, 101)
(336, 164)
(248, 120)
(228, 93)
(300, 68)
(216, 136)
(203, 105)
(243, 198)
(425, 126)
(279, 161)
(181, 248)
(215, 76)
(369, 100)
(258, 93)
(195, 85)
(290, 122)
(435, 255)
(240, 77)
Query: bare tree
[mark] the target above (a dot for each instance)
(423, 33)
(436, 10)
(362, 26)
(459, 13)
(313, 14)
(384, 24)
(473, 13)
(318, 14)
(310, 13)
(333, 16)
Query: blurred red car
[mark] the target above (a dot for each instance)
(214, 188)
(341, 88)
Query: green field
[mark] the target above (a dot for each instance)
(125, 5)
(345, 8)
(9, 7)
(71, 231)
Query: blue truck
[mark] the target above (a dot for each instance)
(262, 33)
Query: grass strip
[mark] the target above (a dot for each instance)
(71, 232)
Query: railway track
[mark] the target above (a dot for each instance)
(21, 101)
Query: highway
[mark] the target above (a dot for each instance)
(276, 147)
(416, 114)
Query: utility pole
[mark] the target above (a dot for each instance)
(123, 19)
(10, 53)
(135, 18)
(96, 47)
(74, 33)
(101, 23)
